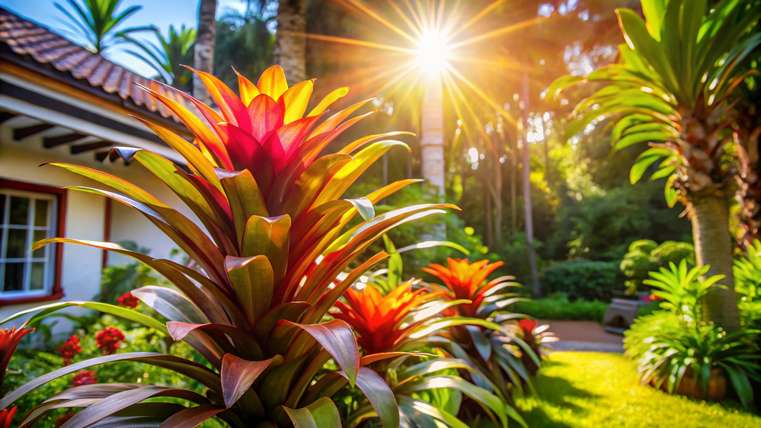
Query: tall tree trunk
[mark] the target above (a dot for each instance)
(203, 54)
(526, 179)
(513, 186)
(432, 143)
(291, 45)
(497, 202)
(709, 215)
(488, 221)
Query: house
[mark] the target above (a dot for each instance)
(61, 103)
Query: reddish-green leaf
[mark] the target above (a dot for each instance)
(337, 338)
(237, 375)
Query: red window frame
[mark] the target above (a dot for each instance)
(56, 291)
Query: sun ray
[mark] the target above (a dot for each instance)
(371, 13)
(499, 32)
(478, 91)
(477, 17)
(357, 42)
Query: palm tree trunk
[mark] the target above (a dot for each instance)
(709, 215)
(203, 55)
(290, 46)
(497, 202)
(526, 178)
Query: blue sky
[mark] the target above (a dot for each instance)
(160, 13)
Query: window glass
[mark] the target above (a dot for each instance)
(19, 210)
(25, 217)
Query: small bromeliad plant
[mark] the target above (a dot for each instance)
(276, 248)
(397, 332)
(494, 349)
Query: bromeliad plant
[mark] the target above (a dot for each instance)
(273, 256)
(396, 329)
(494, 349)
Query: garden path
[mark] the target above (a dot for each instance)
(583, 336)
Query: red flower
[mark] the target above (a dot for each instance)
(108, 339)
(6, 417)
(128, 300)
(654, 297)
(378, 319)
(527, 326)
(9, 340)
(69, 349)
(466, 280)
(84, 377)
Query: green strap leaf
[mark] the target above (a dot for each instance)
(321, 413)
(119, 311)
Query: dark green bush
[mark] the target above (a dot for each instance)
(645, 255)
(558, 307)
(582, 279)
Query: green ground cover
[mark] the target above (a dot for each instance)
(588, 389)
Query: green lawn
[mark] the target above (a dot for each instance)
(589, 389)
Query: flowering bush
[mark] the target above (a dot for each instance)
(85, 377)
(128, 300)
(69, 349)
(108, 340)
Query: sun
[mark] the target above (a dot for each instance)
(433, 52)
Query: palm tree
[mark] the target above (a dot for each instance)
(674, 88)
(244, 41)
(290, 45)
(168, 56)
(203, 55)
(98, 21)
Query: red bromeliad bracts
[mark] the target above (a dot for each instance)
(275, 234)
(9, 340)
(466, 280)
(383, 322)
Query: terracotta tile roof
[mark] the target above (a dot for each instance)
(33, 41)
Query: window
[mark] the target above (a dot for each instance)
(28, 213)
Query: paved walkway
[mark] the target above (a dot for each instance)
(583, 336)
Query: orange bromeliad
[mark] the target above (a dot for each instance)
(465, 280)
(380, 320)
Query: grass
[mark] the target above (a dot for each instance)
(560, 308)
(589, 389)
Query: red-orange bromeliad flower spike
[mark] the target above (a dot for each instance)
(9, 340)
(378, 319)
(466, 280)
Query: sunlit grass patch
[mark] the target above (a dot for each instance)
(588, 389)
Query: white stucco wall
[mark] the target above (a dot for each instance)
(85, 213)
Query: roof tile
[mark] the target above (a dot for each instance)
(29, 39)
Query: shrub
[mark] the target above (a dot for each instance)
(558, 307)
(582, 279)
(676, 343)
(644, 256)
